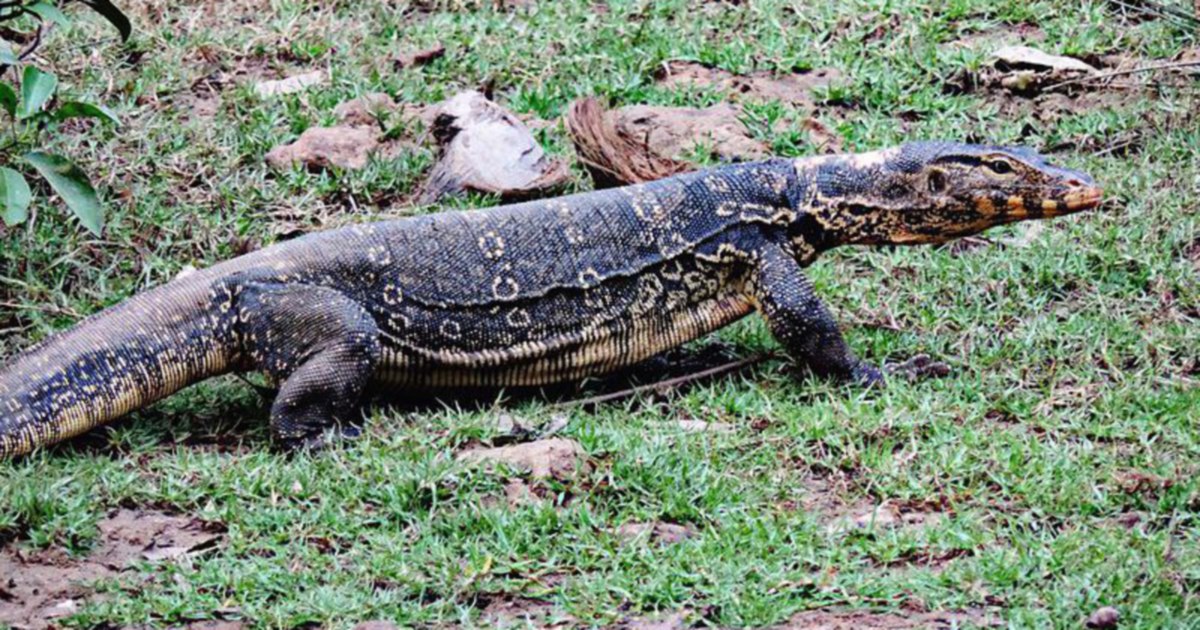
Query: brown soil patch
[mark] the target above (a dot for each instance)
(827, 499)
(857, 620)
(676, 621)
(794, 89)
(513, 611)
(39, 587)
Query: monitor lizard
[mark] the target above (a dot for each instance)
(527, 294)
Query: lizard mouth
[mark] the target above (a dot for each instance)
(1083, 198)
(1075, 200)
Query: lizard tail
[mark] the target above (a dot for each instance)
(114, 362)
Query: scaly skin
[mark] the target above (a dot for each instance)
(526, 294)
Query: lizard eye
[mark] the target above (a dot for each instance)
(1000, 167)
(936, 182)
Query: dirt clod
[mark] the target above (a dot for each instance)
(794, 89)
(556, 458)
(484, 148)
(365, 110)
(420, 57)
(40, 586)
(322, 147)
(1104, 618)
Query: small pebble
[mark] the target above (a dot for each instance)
(1107, 617)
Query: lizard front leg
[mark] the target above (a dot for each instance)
(801, 322)
(319, 344)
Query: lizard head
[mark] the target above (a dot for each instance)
(929, 192)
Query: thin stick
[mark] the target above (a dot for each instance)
(1120, 73)
(669, 384)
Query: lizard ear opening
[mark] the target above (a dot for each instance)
(936, 181)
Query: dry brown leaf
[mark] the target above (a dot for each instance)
(1028, 58)
(290, 85)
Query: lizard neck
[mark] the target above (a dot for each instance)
(838, 200)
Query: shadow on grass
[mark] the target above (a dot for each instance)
(231, 414)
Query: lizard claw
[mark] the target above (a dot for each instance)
(867, 375)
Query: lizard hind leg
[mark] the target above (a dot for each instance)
(319, 345)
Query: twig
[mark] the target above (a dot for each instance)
(37, 41)
(1148, 7)
(1120, 73)
(669, 384)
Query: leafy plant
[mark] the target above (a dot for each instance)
(32, 113)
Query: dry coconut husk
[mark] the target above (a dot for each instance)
(612, 157)
(484, 148)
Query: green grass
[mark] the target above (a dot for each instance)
(1074, 357)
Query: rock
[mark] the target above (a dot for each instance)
(556, 458)
(1104, 618)
(484, 148)
(292, 84)
(323, 147)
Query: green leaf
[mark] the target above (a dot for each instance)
(14, 196)
(8, 99)
(72, 185)
(36, 88)
(113, 15)
(77, 109)
(48, 12)
(7, 56)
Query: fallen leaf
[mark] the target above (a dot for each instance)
(1027, 58)
(666, 533)
(290, 85)
(700, 426)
